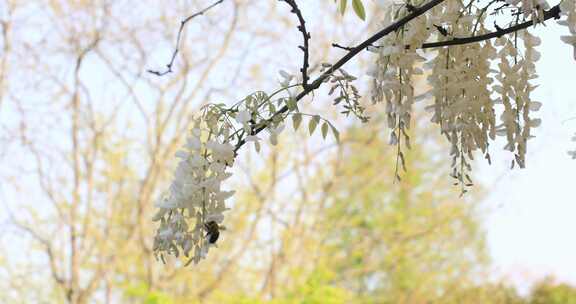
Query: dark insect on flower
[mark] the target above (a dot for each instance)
(442, 30)
(212, 231)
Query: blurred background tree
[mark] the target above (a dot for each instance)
(550, 292)
(371, 240)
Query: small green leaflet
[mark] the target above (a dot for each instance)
(292, 104)
(359, 9)
(335, 132)
(356, 5)
(313, 123)
(342, 6)
(324, 130)
(296, 120)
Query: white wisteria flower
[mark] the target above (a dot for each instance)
(571, 40)
(221, 152)
(195, 197)
(286, 78)
(568, 9)
(255, 140)
(534, 8)
(469, 100)
(274, 132)
(244, 118)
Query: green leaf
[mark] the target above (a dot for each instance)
(342, 7)
(292, 104)
(335, 132)
(324, 130)
(296, 120)
(359, 9)
(313, 123)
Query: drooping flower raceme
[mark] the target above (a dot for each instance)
(466, 97)
(568, 8)
(532, 8)
(471, 102)
(397, 65)
(195, 196)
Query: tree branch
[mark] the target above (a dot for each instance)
(554, 12)
(48, 250)
(353, 52)
(177, 47)
(306, 36)
(338, 46)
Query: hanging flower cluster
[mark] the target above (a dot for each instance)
(462, 105)
(514, 90)
(466, 95)
(532, 9)
(568, 9)
(396, 65)
(195, 198)
(471, 102)
(191, 212)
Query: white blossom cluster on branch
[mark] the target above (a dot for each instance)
(568, 9)
(195, 197)
(195, 201)
(480, 80)
(472, 101)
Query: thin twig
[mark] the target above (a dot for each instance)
(306, 36)
(338, 46)
(180, 30)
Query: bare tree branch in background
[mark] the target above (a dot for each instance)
(178, 37)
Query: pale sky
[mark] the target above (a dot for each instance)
(531, 223)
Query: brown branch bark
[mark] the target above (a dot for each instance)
(554, 12)
(306, 37)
